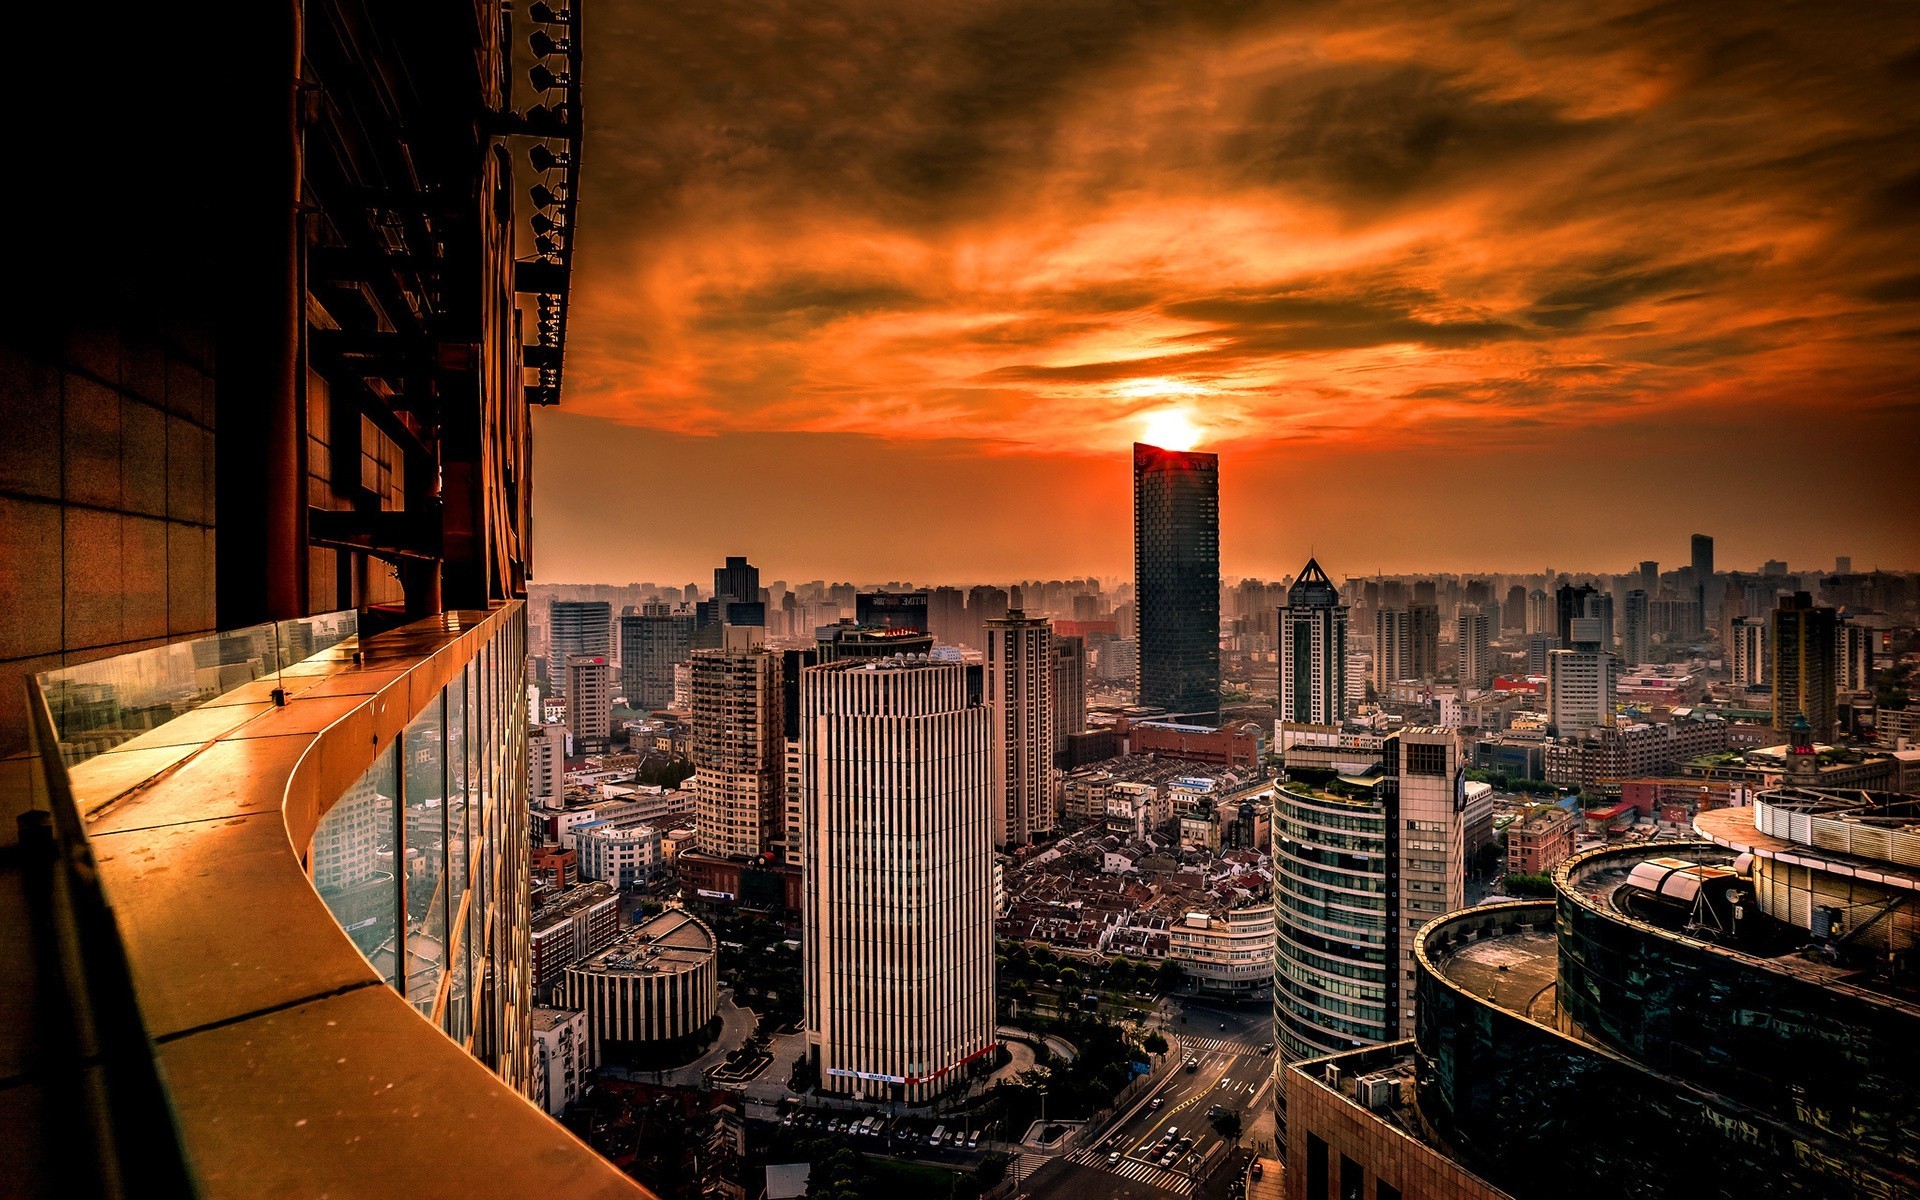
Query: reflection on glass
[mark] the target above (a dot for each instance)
(426, 816)
(459, 745)
(353, 862)
(98, 705)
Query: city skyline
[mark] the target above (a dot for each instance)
(1572, 257)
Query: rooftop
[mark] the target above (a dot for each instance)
(669, 943)
(1517, 971)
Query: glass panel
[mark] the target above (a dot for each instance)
(352, 861)
(458, 1020)
(99, 705)
(426, 818)
(459, 746)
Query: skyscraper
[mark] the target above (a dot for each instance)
(1702, 558)
(589, 702)
(653, 640)
(1392, 647)
(1638, 643)
(1424, 635)
(1805, 673)
(1473, 652)
(1176, 570)
(1513, 613)
(1019, 695)
(1570, 602)
(1313, 650)
(1650, 577)
(738, 747)
(897, 807)
(1853, 668)
(576, 627)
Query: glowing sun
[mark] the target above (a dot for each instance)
(1171, 429)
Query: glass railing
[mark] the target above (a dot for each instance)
(99, 705)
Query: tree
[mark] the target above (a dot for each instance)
(992, 1169)
(1226, 1123)
(1154, 1043)
(1171, 976)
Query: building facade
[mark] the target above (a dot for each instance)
(1226, 953)
(1581, 685)
(898, 810)
(1473, 648)
(560, 1058)
(1069, 688)
(1019, 697)
(1176, 569)
(1749, 651)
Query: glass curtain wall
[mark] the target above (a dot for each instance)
(424, 861)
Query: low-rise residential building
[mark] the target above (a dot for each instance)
(1540, 840)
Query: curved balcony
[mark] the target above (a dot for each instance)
(282, 1061)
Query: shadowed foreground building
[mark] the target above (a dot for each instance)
(265, 918)
(1733, 1017)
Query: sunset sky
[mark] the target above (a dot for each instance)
(884, 290)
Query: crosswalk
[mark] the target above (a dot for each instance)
(1192, 1044)
(1028, 1163)
(1134, 1169)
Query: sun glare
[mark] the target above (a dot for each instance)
(1171, 429)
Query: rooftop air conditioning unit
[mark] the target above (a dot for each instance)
(1376, 1091)
(1333, 1076)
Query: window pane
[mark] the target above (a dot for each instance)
(425, 793)
(352, 861)
(459, 745)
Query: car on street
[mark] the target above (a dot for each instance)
(1113, 1159)
(1193, 1064)
(1157, 1102)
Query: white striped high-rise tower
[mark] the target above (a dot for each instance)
(897, 807)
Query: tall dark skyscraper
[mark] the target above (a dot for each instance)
(1805, 666)
(1570, 602)
(1702, 557)
(1176, 571)
(1423, 625)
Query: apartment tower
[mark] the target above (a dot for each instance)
(1019, 694)
(738, 747)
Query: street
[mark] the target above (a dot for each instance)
(1230, 1072)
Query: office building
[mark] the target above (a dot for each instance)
(1513, 613)
(1637, 644)
(654, 639)
(1739, 995)
(1019, 695)
(619, 854)
(576, 627)
(893, 610)
(1540, 613)
(1581, 687)
(1392, 647)
(1359, 867)
(567, 928)
(1570, 603)
(589, 702)
(1749, 651)
(1539, 645)
(946, 615)
(1424, 634)
(1649, 577)
(1313, 650)
(1228, 951)
(984, 603)
(657, 983)
(738, 748)
(898, 808)
(1176, 569)
(1540, 839)
(847, 640)
(1473, 648)
(1069, 688)
(1805, 673)
(1702, 558)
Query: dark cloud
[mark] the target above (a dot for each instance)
(1376, 133)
